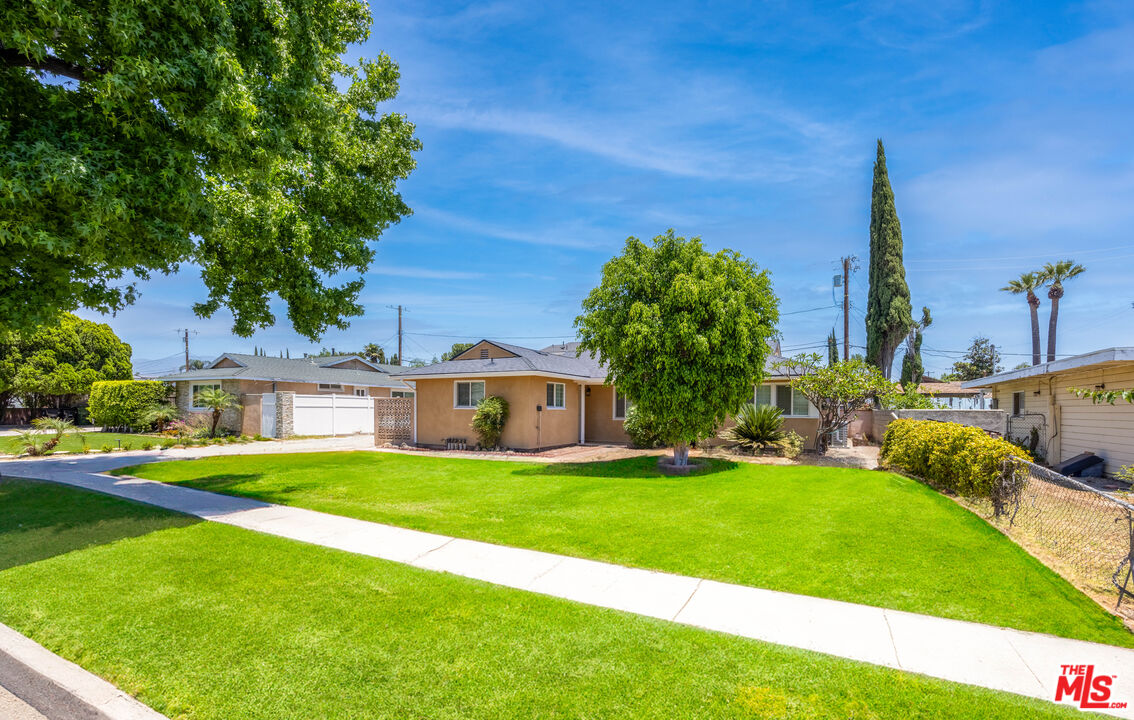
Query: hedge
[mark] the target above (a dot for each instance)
(954, 457)
(122, 403)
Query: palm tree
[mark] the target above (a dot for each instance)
(1054, 275)
(217, 401)
(1027, 284)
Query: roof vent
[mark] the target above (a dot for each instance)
(484, 353)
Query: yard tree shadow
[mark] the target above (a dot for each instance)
(39, 520)
(636, 467)
(245, 485)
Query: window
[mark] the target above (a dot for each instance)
(361, 392)
(789, 400)
(329, 387)
(401, 393)
(196, 390)
(484, 353)
(468, 394)
(620, 405)
(1018, 403)
(556, 396)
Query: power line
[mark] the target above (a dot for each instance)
(1032, 256)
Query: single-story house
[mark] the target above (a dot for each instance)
(556, 397)
(1066, 425)
(953, 395)
(251, 376)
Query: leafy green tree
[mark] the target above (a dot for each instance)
(684, 333)
(217, 401)
(837, 391)
(981, 360)
(1054, 275)
(1026, 285)
(832, 348)
(454, 351)
(374, 353)
(141, 135)
(912, 367)
(55, 365)
(889, 314)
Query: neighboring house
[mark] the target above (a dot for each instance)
(953, 394)
(251, 376)
(1066, 425)
(555, 397)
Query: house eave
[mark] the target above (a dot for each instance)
(1075, 362)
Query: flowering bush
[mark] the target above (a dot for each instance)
(954, 457)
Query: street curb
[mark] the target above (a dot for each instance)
(83, 686)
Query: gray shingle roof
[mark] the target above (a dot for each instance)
(313, 370)
(527, 360)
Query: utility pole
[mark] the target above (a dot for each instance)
(847, 268)
(186, 336)
(399, 309)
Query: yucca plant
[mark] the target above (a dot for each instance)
(757, 426)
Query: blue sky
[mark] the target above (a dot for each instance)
(551, 132)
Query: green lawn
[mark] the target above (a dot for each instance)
(203, 620)
(856, 535)
(95, 440)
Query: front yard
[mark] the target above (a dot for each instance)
(861, 536)
(93, 441)
(206, 621)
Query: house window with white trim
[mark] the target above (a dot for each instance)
(361, 392)
(195, 391)
(621, 405)
(556, 396)
(790, 401)
(401, 393)
(467, 394)
(330, 387)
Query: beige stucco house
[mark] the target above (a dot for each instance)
(1067, 425)
(250, 377)
(556, 397)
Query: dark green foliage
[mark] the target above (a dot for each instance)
(642, 432)
(889, 314)
(684, 333)
(981, 360)
(454, 351)
(54, 365)
(139, 136)
(912, 368)
(489, 420)
(125, 403)
(832, 348)
(757, 427)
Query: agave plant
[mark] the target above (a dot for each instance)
(757, 426)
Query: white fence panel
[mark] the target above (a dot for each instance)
(268, 415)
(332, 415)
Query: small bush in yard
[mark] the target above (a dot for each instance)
(789, 446)
(107, 448)
(641, 430)
(488, 422)
(961, 459)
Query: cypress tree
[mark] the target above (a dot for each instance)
(832, 349)
(888, 311)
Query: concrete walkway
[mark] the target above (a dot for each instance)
(1002, 659)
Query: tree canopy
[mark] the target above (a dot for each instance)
(980, 360)
(889, 314)
(139, 136)
(684, 333)
(456, 350)
(837, 391)
(56, 363)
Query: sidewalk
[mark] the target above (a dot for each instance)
(998, 658)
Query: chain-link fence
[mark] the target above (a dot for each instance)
(1083, 533)
(1029, 431)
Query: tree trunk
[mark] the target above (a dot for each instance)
(216, 420)
(1053, 320)
(1033, 305)
(681, 454)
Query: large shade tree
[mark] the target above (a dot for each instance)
(55, 365)
(684, 333)
(1026, 285)
(889, 314)
(141, 135)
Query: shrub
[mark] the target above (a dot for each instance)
(160, 416)
(147, 445)
(488, 422)
(1126, 474)
(127, 445)
(123, 403)
(641, 429)
(259, 438)
(31, 442)
(55, 429)
(107, 448)
(789, 446)
(961, 459)
(757, 427)
(167, 444)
